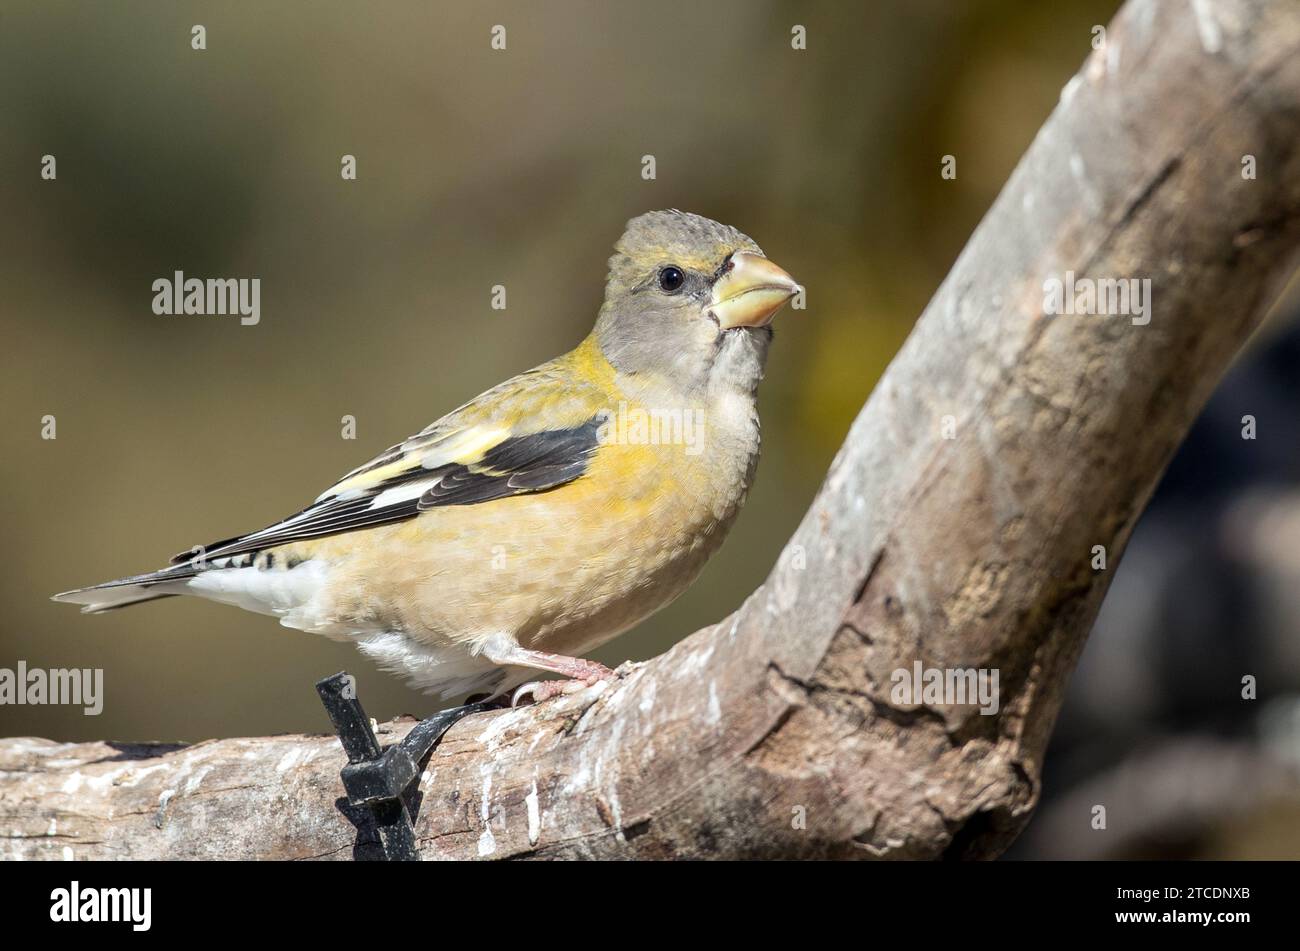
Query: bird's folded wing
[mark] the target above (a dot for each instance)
(529, 434)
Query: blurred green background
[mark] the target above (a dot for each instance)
(475, 167)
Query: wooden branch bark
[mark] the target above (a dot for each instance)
(969, 552)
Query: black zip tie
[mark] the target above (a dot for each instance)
(376, 779)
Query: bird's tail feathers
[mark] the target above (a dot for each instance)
(127, 591)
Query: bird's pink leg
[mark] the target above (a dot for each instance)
(583, 672)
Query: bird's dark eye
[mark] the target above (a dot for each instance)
(671, 278)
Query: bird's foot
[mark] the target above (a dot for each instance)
(587, 675)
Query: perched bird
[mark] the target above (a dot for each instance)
(546, 516)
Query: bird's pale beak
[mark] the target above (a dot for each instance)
(751, 292)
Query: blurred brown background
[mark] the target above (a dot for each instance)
(475, 167)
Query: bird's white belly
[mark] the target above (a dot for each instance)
(449, 671)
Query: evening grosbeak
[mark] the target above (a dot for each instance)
(547, 515)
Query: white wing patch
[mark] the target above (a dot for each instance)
(402, 493)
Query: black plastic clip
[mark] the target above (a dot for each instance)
(378, 779)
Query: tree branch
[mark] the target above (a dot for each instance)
(966, 552)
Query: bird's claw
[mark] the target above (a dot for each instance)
(539, 691)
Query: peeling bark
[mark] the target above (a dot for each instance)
(773, 733)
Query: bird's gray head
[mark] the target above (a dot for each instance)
(689, 302)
